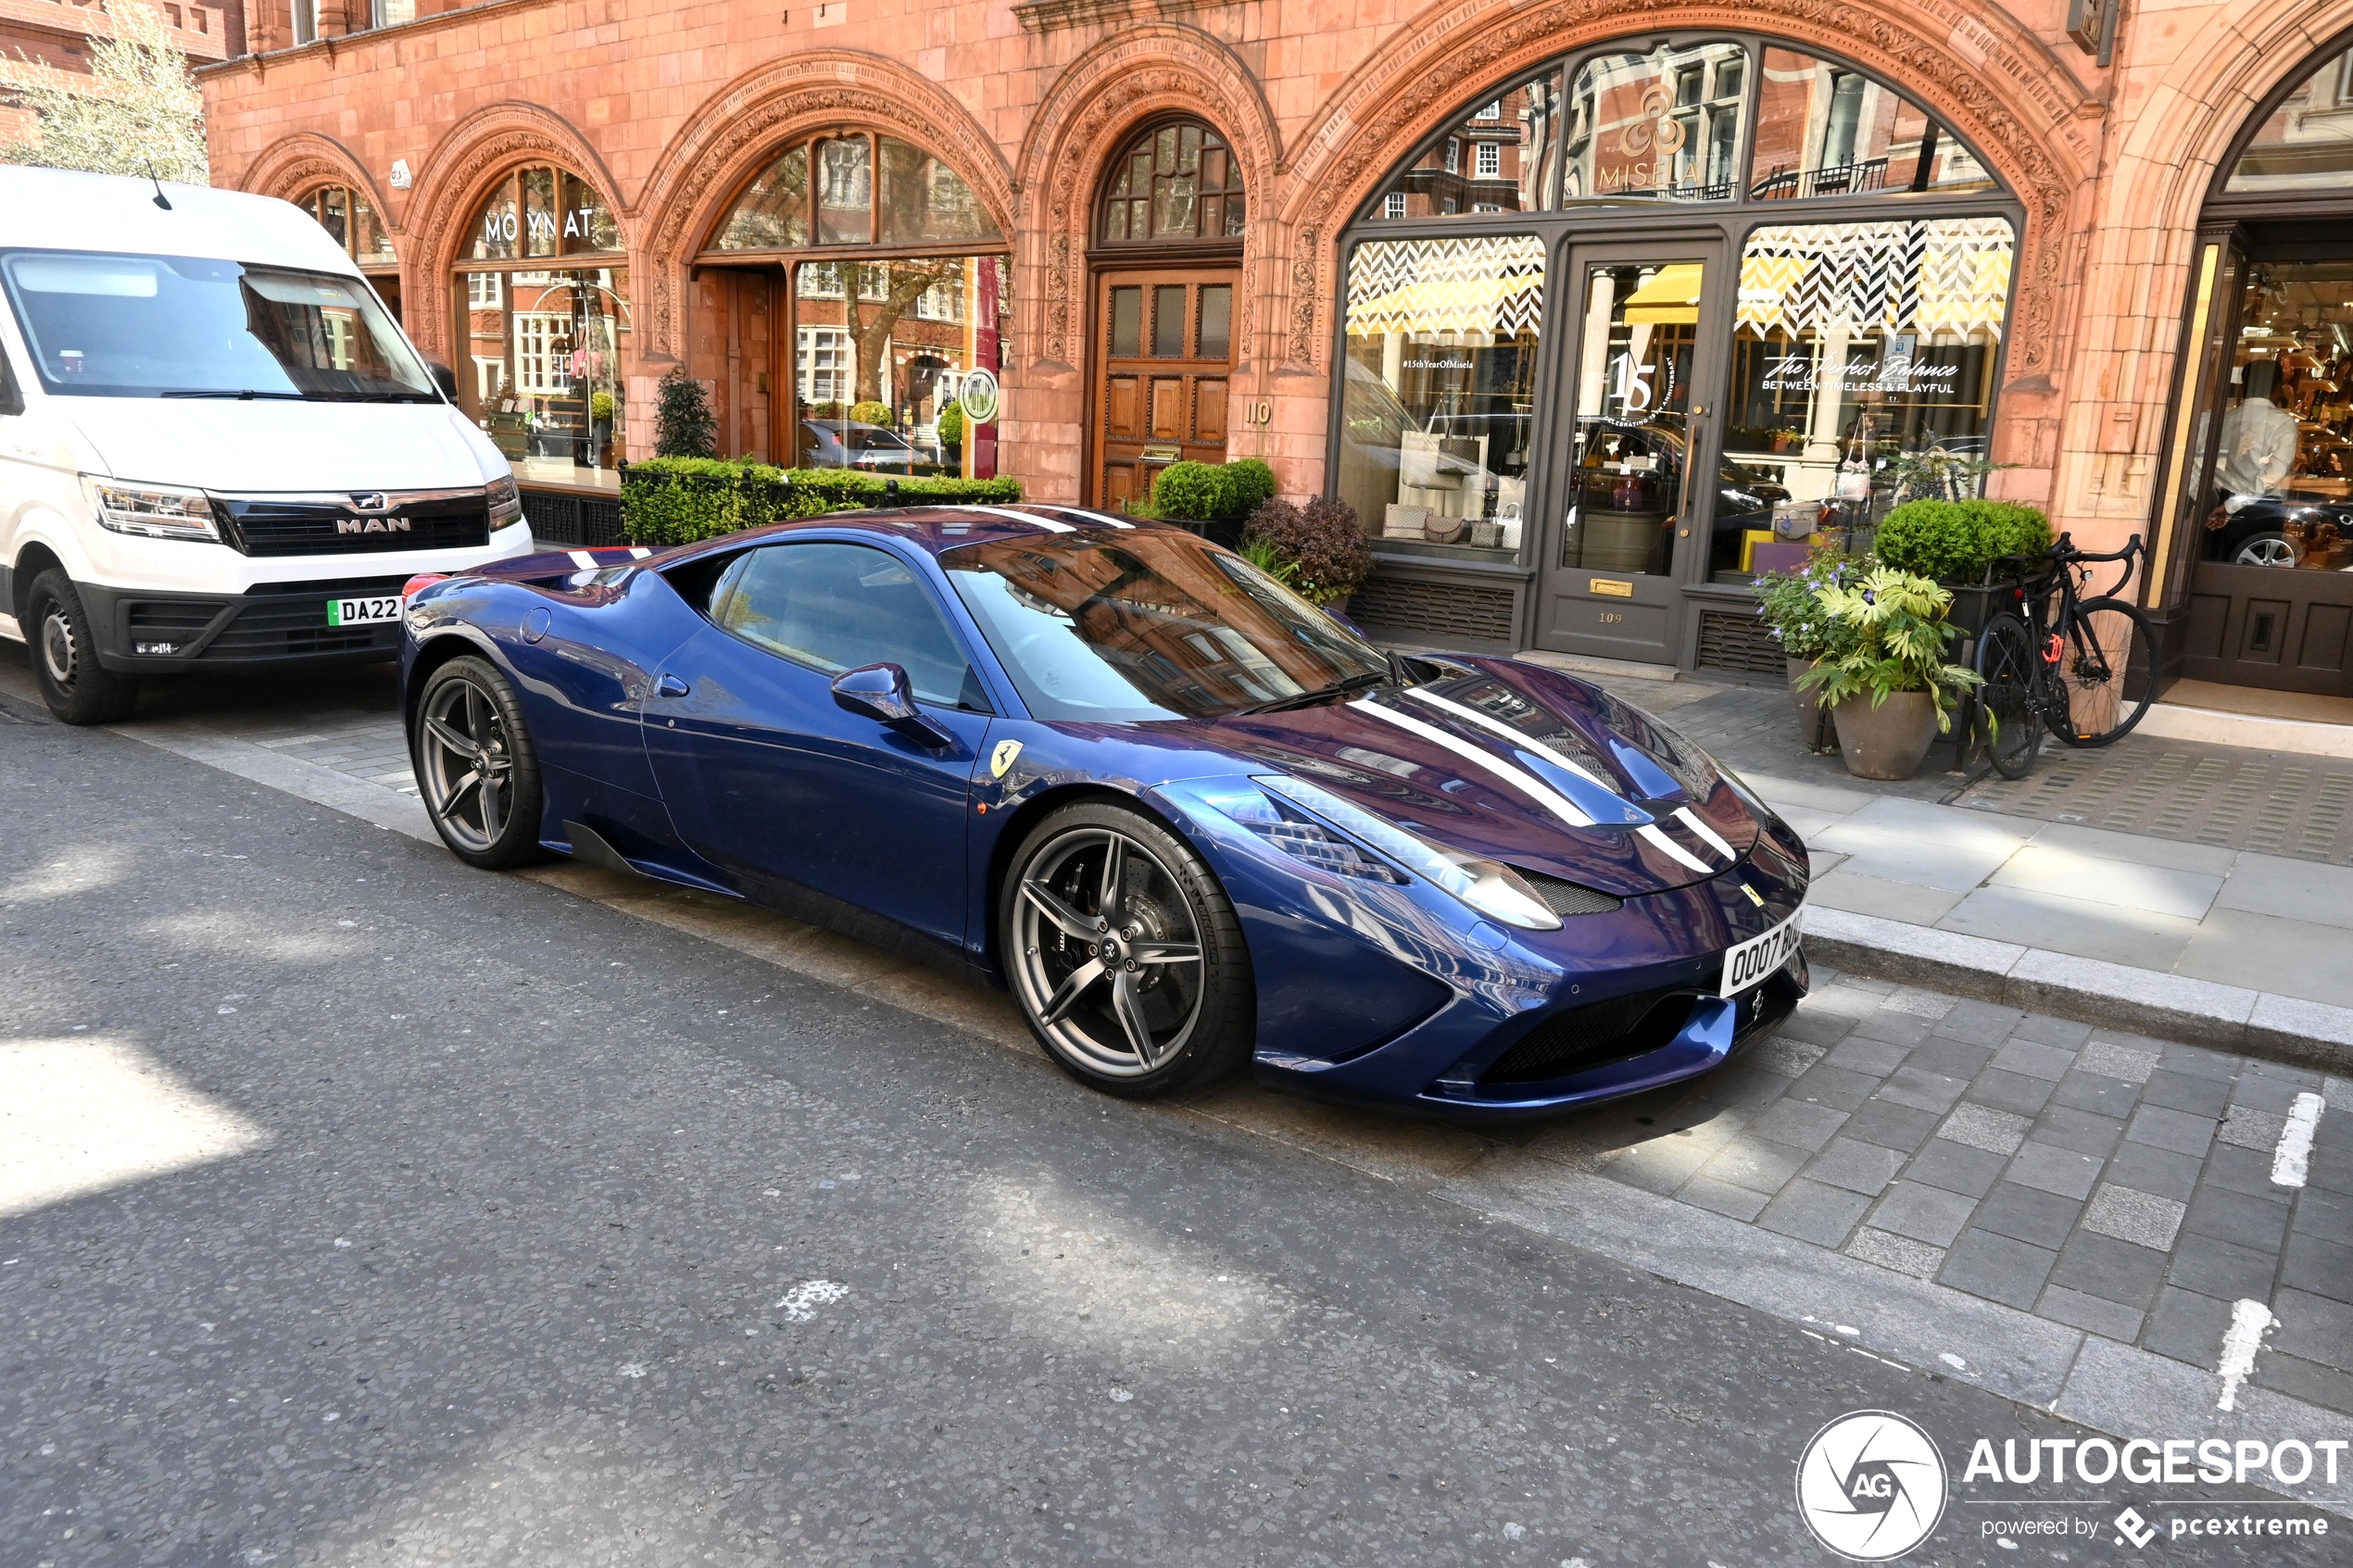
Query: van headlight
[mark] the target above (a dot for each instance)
(506, 502)
(158, 511)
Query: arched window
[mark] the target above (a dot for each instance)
(351, 219)
(1174, 184)
(2306, 142)
(542, 299)
(897, 293)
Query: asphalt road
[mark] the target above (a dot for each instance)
(360, 1208)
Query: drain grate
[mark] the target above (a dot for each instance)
(2276, 803)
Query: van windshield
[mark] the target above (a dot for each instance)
(174, 326)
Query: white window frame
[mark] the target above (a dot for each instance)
(305, 17)
(1453, 155)
(481, 298)
(1487, 162)
(536, 335)
(824, 356)
(1394, 205)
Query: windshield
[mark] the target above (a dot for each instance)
(176, 326)
(1156, 625)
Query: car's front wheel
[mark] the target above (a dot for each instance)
(476, 768)
(1125, 954)
(65, 656)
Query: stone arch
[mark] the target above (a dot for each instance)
(1993, 81)
(1141, 73)
(294, 166)
(457, 176)
(728, 138)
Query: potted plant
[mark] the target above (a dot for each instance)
(599, 426)
(1317, 550)
(1211, 499)
(1957, 544)
(1887, 645)
(1795, 618)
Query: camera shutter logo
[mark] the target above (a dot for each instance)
(1871, 1486)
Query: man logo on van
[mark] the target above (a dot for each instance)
(371, 525)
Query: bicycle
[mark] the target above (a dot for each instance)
(2085, 671)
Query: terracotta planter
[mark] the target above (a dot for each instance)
(1886, 741)
(1809, 707)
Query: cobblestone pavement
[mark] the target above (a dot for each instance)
(359, 1208)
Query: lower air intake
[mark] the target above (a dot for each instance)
(1578, 1039)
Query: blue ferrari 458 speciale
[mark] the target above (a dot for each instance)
(1187, 818)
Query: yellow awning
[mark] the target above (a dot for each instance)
(1669, 294)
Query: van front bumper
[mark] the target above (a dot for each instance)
(143, 632)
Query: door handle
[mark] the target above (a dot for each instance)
(671, 685)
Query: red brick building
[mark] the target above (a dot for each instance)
(60, 32)
(1566, 296)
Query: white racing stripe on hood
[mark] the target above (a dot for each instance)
(1487, 721)
(1661, 842)
(1525, 783)
(1049, 524)
(1103, 518)
(583, 561)
(1684, 815)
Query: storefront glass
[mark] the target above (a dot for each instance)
(1863, 360)
(1825, 129)
(1174, 182)
(882, 349)
(1504, 157)
(1633, 416)
(2280, 473)
(1440, 389)
(1662, 126)
(2307, 143)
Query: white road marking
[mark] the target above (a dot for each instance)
(801, 1303)
(2293, 1158)
(2249, 1318)
(1658, 840)
(1525, 783)
(1684, 815)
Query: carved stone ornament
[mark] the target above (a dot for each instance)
(2025, 131)
(735, 134)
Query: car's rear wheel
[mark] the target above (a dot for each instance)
(65, 656)
(1125, 954)
(476, 768)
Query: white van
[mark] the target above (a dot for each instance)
(217, 449)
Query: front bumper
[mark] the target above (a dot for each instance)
(140, 633)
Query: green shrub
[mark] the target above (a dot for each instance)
(1212, 492)
(950, 425)
(683, 423)
(1887, 635)
(1956, 541)
(871, 412)
(1250, 485)
(679, 500)
(1318, 550)
(600, 406)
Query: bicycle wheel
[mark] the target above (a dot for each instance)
(2108, 673)
(2007, 723)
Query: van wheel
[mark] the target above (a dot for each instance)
(65, 656)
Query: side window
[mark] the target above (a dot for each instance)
(836, 607)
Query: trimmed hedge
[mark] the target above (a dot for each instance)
(1213, 492)
(1958, 541)
(679, 500)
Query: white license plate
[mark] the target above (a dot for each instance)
(363, 612)
(1760, 955)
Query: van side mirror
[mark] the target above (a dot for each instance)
(443, 377)
(882, 694)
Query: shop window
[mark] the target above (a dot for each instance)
(1863, 359)
(882, 349)
(547, 346)
(1174, 184)
(392, 13)
(536, 212)
(1827, 130)
(2307, 143)
(2278, 473)
(1662, 126)
(1511, 166)
(1440, 389)
(867, 190)
(351, 219)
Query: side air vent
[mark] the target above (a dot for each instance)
(1567, 899)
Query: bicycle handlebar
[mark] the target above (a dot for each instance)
(2063, 553)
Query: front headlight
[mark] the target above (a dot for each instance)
(158, 511)
(506, 502)
(1489, 886)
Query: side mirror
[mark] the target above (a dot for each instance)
(881, 693)
(443, 377)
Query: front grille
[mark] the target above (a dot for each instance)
(175, 621)
(265, 631)
(1565, 898)
(325, 525)
(1578, 1039)
(336, 587)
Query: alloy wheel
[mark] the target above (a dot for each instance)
(2266, 549)
(1107, 952)
(466, 764)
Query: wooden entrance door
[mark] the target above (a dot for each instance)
(1164, 357)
